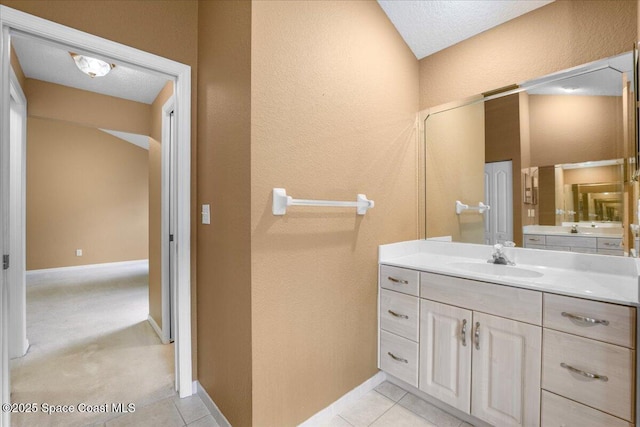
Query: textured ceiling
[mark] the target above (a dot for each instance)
(428, 26)
(52, 64)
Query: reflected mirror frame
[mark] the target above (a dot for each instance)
(538, 82)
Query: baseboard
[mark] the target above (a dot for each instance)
(88, 266)
(211, 406)
(325, 415)
(156, 328)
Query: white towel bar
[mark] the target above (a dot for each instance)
(461, 207)
(281, 201)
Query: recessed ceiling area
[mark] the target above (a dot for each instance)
(429, 26)
(49, 63)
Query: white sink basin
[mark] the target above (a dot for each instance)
(495, 269)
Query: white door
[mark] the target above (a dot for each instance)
(498, 192)
(445, 353)
(506, 371)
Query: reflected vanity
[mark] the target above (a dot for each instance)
(554, 158)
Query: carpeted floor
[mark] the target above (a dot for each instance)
(90, 343)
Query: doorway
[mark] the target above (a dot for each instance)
(498, 193)
(15, 21)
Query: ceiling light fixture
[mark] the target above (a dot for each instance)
(92, 67)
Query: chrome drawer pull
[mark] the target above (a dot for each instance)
(584, 319)
(477, 336)
(616, 245)
(585, 374)
(394, 280)
(463, 332)
(534, 240)
(399, 359)
(402, 316)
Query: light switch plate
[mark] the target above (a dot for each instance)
(206, 214)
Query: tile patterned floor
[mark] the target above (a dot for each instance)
(390, 406)
(169, 412)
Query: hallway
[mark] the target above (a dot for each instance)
(90, 343)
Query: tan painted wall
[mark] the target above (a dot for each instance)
(560, 35)
(573, 129)
(224, 182)
(333, 108)
(455, 137)
(168, 28)
(155, 204)
(53, 101)
(77, 200)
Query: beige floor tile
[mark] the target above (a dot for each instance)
(336, 421)
(399, 416)
(391, 391)
(191, 408)
(428, 411)
(163, 413)
(367, 409)
(207, 421)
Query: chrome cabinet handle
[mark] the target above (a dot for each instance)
(463, 332)
(534, 240)
(584, 319)
(399, 359)
(584, 373)
(394, 280)
(477, 336)
(402, 316)
(616, 245)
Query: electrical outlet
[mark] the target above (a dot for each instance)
(78, 252)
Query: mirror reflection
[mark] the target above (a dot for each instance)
(552, 158)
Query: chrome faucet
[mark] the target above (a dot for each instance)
(498, 256)
(574, 228)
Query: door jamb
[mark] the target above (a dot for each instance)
(13, 20)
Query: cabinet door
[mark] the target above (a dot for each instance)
(445, 353)
(506, 371)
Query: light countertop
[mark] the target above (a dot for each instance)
(598, 277)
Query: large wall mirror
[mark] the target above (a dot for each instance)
(553, 159)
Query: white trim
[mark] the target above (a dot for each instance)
(5, 61)
(87, 266)
(81, 42)
(211, 405)
(157, 329)
(168, 297)
(18, 343)
(324, 416)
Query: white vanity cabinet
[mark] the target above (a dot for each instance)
(485, 365)
(588, 360)
(582, 243)
(398, 317)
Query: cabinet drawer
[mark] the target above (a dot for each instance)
(558, 411)
(399, 357)
(504, 301)
(534, 239)
(615, 324)
(399, 314)
(613, 394)
(399, 279)
(532, 246)
(610, 252)
(574, 242)
(609, 243)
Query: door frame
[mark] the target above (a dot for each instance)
(13, 20)
(18, 342)
(168, 252)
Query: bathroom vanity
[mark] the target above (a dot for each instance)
(548, 341)
(603, 241)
